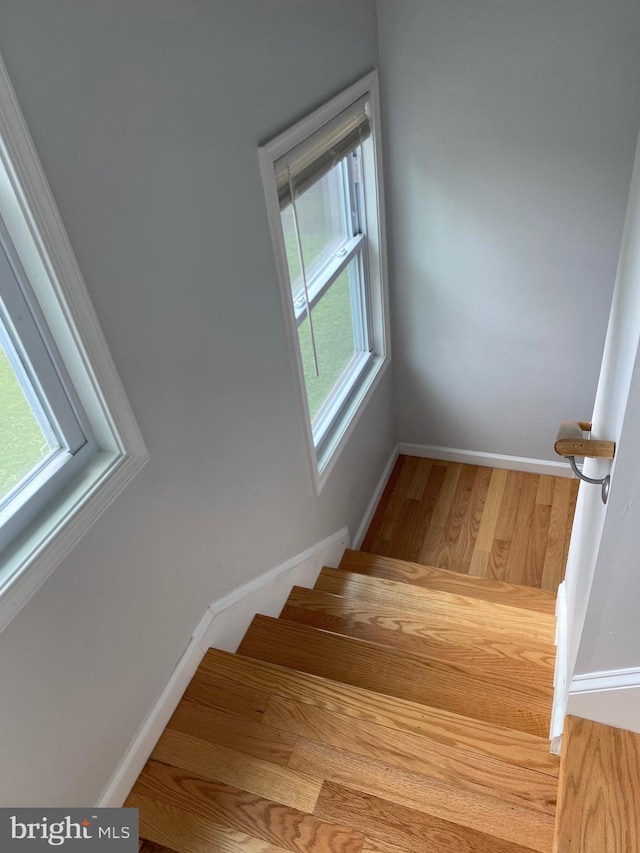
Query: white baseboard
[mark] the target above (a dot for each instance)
(452, 454)
(361, 532)
(491, 460)
(559, 709)
(142, 745)
(610, 679)
(611, 697)
(266, 594)
(223, 626)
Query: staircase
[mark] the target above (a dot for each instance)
(393, 708)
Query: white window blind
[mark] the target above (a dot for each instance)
(305, 164)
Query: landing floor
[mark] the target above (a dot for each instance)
(487, 522)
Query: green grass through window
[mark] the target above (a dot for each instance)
(22, 443)
(322, 233)
(333, 331)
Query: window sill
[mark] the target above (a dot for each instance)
(32, 558)
(324, 462)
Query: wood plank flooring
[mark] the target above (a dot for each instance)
(599, 805)
(485, 522)
(394, 708)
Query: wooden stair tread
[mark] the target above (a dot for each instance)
(413, 754)
(221, 669)
(432, 634)
(392, 828)
(510, 621)
(218, 763)
(216, 805)
(234, 732)
(482, 795)
(599, 800)
(376, 667)
(528, 598)
(193, 833)
(485, 814)
(197, 740)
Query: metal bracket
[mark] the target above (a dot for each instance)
(605, 482)
(571, 442)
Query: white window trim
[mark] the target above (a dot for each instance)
(321, 464)
(40, 240)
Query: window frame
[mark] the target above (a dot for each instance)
(326, 442)
(38, 238)
(34, 360)
(351, 250)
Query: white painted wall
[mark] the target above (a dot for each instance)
(510, 132)
(146, 115)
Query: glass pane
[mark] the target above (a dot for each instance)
(23, 444)
(322, 226)
(291, 248)
(335, 345)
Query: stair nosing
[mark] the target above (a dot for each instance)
(364, 557)
(357, 578)
(397, 640)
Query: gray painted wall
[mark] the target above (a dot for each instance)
(603, 582)
(510, 132)
(611, 635)
(146, 115)
(602, 579)
(611, 632)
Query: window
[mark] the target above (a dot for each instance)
(69, 442)
(322, 182)
(44, 436)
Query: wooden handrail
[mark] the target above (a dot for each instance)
(571, 441)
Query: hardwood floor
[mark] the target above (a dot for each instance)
(394, 708)
(486, 522)
(599, 801)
